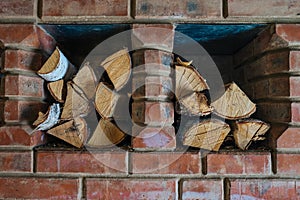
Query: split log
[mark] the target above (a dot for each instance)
(106, 134)
(49, 119)
(208, 134)
(58, 90)
(188, 80)
(248, 130)
(57, 67)
(74, 132)
(86, 80)
(105, 100)
(196, 104)
(234, 104)
(118, 68)
(76, 104)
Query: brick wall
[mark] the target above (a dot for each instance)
(267, 68)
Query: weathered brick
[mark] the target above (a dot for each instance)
(263, 8)
(178, 9)
(289, 139)
(264, 189)
(148, 112)
(130, 189)
(289, 32)
(18, 135)
(288, 164)
(21, 111)
(295, 60)
(294, 86)
(25, 86)
(157, 36)
(82, 162)
(166, 163)
(15, 161)
(38, 188)
(274, 112)
(16, 8)
(202, 189)
(85, 8)
(149, 137)
(279, 86)
(10, 33)
(261, 89)
(295, 107)
(239, 163)
(22, 60)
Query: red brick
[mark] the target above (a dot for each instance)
(261, 89)
(18, 135)
(22, 60)
(148, 112)
(294, 86)
(16, 8)
(295, 60)
(263, 8)
(82, 162)
(130, 189)
(158, 36)
(38, 188)
(85, 8)
(202, 189)
(22, 111)
(239, 163)
(264, 189)
(15, 161)
(288, 164)
(166, 163)
(178, 9)
(289, 139)
(25, 86)
(295, 112)
(279, 86)
(274, 112)
(150, 138)
(289, 32)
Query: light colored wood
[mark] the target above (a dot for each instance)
(106, 134)
(86, 80)
(73, 132)
(188, 80)
(185, 64)
(56, 89)
(49, 119)
(196, 104)
(118, 68)
(105, 100)
(248, 130)
(234, 104)
(208, 134)
(76, 104)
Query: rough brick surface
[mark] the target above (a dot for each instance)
(295, 60)
(16, 8)
(274, 112)
(264, 189)
(85, 162)
(294, 86)
(289, 139)
(177, 8)
(288, 164)
(202, 189)
(38, 188)
(130, 189)
(15, 161)
(263, 8)
(85, 8)
(166, 163)
(242, 163)
(289, 32)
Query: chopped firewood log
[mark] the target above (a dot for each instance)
(57, 67)
(86, 80)
(106, 134)
(76, 103)
(208, 134)
(118, 68)
(196, 104)
(57, 90)
(105, 100)
(49, 119)
(182, 63)
(234, 104)
(188, 80)
(74, 132)
(248, 130)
